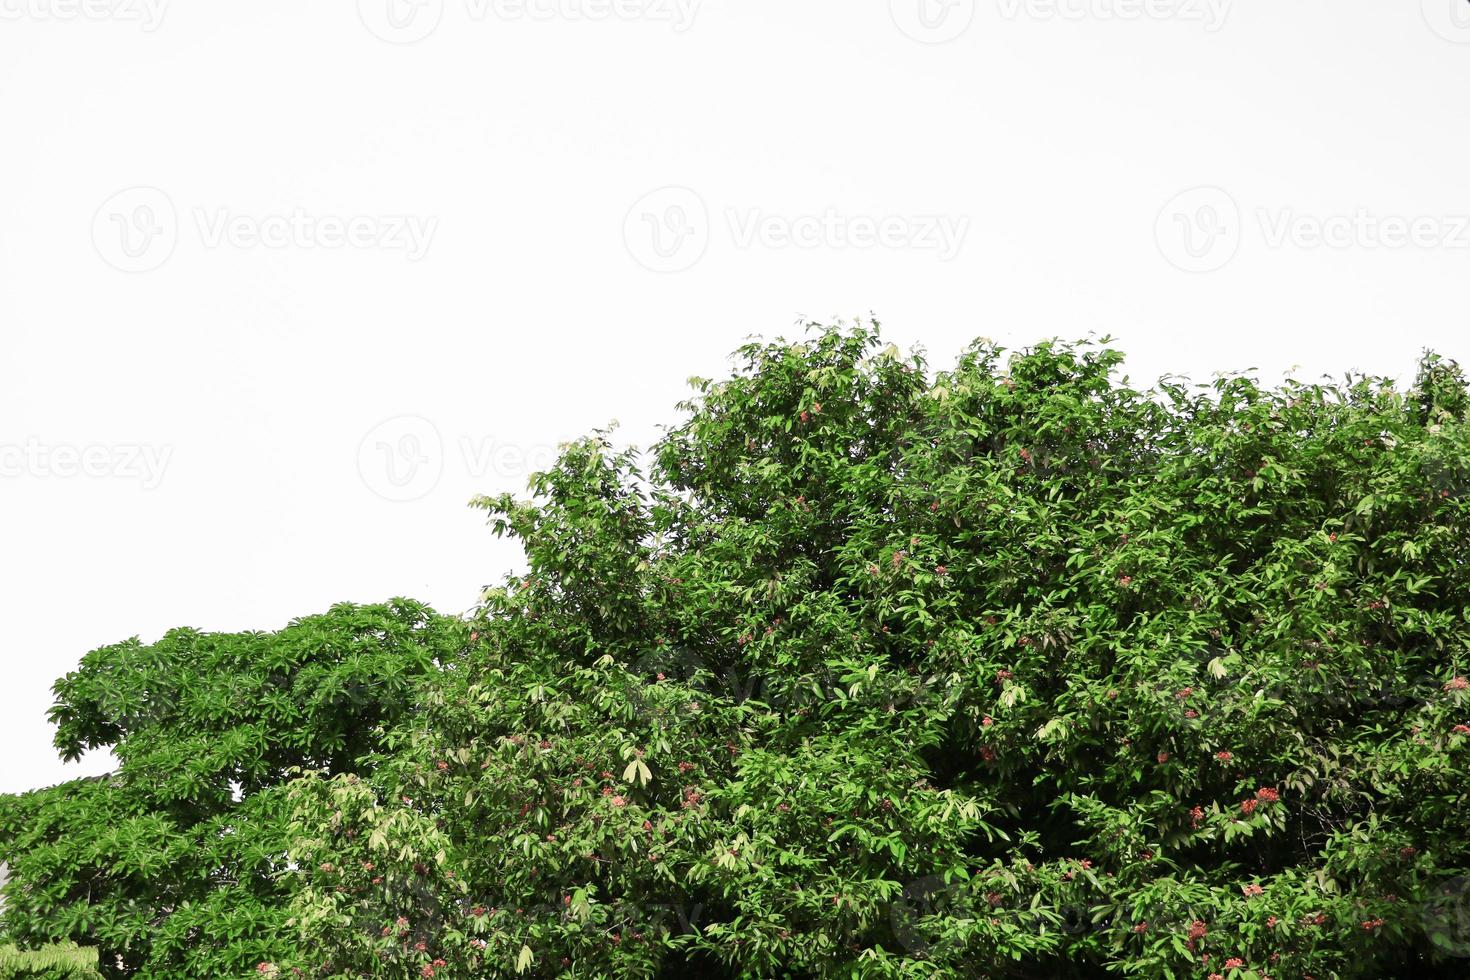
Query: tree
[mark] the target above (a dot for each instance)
(868, 670)
(175, 865)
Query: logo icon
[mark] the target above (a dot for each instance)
(916, 914)
(1446, 917)
(400, 21)
(1199, 230)
(402, 459)
(932, 21)
(1450, 19)
(668, 230)
(136, 230)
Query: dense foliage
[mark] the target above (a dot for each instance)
(50, 963)
(863, 670)
(173, 865)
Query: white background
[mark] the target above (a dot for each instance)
(251, 412)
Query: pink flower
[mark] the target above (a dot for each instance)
(1223, 756)
(1457, 684)
(618, 801)
(1461, 729)
(1248, 807)
(1267, 795)
(1252, 890)
(1234, 963)
(1163, 757)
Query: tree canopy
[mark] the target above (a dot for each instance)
(864, 669)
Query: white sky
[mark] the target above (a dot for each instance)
(503, 289)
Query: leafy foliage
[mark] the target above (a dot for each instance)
(174, 863)
(867, 670)
(51, 963)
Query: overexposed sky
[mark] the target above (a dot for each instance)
(283, 284)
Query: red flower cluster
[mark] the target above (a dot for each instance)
(1196, 814)
(1248, 807)
(1223, 756)
(1457, 684)
(1267, 795)
(1234, 963)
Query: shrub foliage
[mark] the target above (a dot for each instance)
(862, 670)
